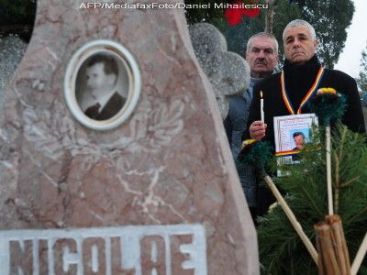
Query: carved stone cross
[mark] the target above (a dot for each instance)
(228, 72)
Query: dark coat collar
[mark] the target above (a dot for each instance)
(311, 65)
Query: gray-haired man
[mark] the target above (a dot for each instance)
(290, 91)
(262, 57)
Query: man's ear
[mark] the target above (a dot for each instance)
(316, 43)
(111, 79)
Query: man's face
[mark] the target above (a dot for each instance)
(299, 47)
(299, 141)
(96, 77)
(261, 56)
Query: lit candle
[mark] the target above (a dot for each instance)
(262, 115)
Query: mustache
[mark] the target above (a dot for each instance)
(261, 62)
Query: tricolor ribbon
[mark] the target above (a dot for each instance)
(308, 95)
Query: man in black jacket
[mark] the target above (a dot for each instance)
(262, 57)
(101, 99)
(290, 91)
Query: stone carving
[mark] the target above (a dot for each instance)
(52, 134)
(228, 72)
(169, 164)
(176, 248)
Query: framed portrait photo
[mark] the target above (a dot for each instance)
(102, 84)
(291, 134)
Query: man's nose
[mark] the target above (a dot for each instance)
(296, 42)
(261, 54)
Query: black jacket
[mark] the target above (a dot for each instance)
(298, 80)
(112, 107)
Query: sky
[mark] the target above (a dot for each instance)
(350, 59)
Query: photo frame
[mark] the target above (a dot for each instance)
(291, 133)
(102, 84)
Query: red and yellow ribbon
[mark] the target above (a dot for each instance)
(286, 153)
(309, 93)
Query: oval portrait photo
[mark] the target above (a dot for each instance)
(102, 88)
(102, 84)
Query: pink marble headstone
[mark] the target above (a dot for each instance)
(157, 195)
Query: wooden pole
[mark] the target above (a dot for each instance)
(326, 249)
(328, 170)
(320, 265)
(269, 18)
(359, 256)
(339, 243)
(292, 218)
(332, 247)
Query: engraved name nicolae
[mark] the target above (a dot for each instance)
(166, 249)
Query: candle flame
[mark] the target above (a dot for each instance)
(261, 94)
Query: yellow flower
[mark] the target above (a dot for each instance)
(323, 91)
(247, 142)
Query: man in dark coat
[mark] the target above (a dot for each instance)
(102, 101)
(111, 108)
(290, 91)
(262, 57)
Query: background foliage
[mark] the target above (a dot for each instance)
(330, 19)
(362, 79)
(17, 17)
(17, 12)
(281, 250)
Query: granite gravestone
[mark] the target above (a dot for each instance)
(155, 193)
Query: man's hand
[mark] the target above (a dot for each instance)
(257, 130)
